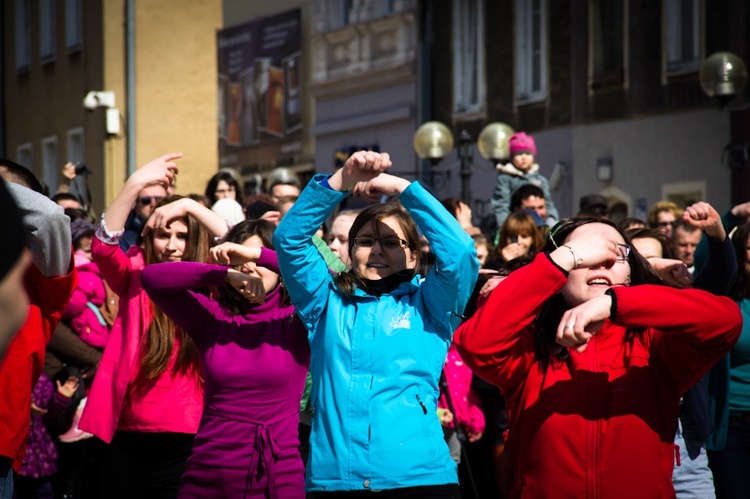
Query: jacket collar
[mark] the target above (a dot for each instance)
(512, 170)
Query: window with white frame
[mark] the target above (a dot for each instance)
(684, 35)
(50, 163)
(23, 34)
(531, 50)
(25, 155)
(607, 30)
(468, 56)
(73, 24)
(47, 30)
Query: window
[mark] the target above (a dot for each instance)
(683, 35)
(607, 32)
(468, 56)
(334, 14)
(73, 24)
(25, 155)
(531, 45)
(23, 34)
(75, 145)
(50, 162)
(47, 30)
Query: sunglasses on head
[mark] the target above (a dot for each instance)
(146, 200)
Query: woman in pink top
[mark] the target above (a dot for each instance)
(147, 397)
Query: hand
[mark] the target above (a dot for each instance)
(383, 184)
(69, 388)
(741, 210)
(513, 250)
(159, 171)
(585, 319)
(592, 245)
(360, 166)
(251, 288)
(234, 254)
(272, 216)
(463, 214)
(703, 216)
(164, 215)
(490, 285)
(445, 416)
(69, 171)
(37, 411)
(673, 271)
(473, 437)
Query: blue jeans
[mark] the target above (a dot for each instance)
(731, 465)
(7, 476)
(692, 479)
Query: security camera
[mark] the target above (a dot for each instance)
(96, 99)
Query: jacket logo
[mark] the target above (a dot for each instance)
(401, 321)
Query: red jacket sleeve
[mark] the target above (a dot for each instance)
(495, 342)
(693, 328)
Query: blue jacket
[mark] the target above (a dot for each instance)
(376, 361)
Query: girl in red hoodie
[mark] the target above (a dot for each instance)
(592, 359)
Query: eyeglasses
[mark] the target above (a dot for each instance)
(624, 251)
(386, 242)
(146, 200)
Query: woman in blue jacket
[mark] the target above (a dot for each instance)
(379, 333)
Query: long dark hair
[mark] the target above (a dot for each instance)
(347, 281)
(157, 349)
(544, 327)
(229, 297)
(741, 289)
(229, 179)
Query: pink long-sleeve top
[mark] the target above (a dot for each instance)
(465, 402)
(121, 397)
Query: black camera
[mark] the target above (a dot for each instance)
(81, 168)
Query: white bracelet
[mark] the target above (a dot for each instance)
(577, 261)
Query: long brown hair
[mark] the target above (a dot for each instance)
(347, 281)
(157, 349)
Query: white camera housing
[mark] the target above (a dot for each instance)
(96, 99)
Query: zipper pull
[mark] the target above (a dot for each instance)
(422, 404)
(677, 454)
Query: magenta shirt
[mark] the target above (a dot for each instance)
(254, 366)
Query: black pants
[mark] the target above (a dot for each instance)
(450, 491)
(140, 465)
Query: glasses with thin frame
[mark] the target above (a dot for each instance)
(385, 242)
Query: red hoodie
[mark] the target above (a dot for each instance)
(602, 424)
(22, 365)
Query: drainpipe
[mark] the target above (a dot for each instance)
(130, 82)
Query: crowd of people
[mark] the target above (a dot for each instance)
(273, 344)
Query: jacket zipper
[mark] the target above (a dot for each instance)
(424, 408)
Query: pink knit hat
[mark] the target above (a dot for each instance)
(520, 142)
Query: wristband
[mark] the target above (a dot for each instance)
(577, 260)
(613, 308)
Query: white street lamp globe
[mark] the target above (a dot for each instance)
(493, 141)
(433, 141)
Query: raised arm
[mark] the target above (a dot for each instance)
(720, 271)
(171, 287)
(48, 231)
(160, 171)
(495, 341)
(303, 268)
(449, 284)
(166, 214)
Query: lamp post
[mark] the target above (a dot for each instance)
(433, 141)
(723, 76)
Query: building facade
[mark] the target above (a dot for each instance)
(56, 52)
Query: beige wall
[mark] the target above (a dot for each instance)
(113, 69)
(176, 86)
